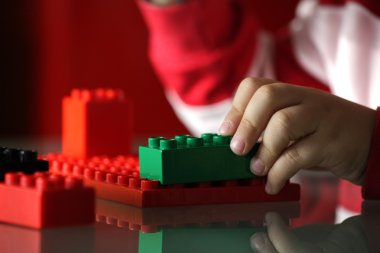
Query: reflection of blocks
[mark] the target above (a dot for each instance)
(151, 220)
(71, 239)
(199, 239)
(96, 122)
(209, 228)
(188, 159)
(118, 179)
(18, 160)
(43, 200)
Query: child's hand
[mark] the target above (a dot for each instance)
(304, 129)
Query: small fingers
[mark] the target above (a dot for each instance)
(242, 96)
(264, 103)
(285, 126)
(303, 154)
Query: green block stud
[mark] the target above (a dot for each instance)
(187, 159)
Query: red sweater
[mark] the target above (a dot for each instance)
(202, 50)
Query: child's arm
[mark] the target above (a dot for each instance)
(304, 129)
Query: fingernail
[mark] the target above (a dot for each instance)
(258, 241)
(225, 127)
(268, 188)
(257, 166)
(237, 145)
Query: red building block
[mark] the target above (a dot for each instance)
(42, 200)
(149, 220)
(118, 180)
(96, 122)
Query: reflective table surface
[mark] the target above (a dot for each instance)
(305, 226)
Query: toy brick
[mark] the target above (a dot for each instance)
(190, 196)
(150, 220)
(96, 122)
(42, 200)
(20, 160)
(187, 159)
(119, 180)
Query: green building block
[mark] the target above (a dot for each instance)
(187, 159)
(190, 240)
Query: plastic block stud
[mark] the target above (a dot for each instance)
(96, 122)
(118, 180)
(20, 160)
(42, 200)
(187, 159)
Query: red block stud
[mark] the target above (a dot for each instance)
(111, 178)
(149, 184)
(123, 180)
(43, 200)
(96, 122)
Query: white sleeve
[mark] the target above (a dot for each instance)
(340, 46)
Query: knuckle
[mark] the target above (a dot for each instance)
(268, 154)
(249, 126)
(293, 156)
(267, 92)
(255, 82)
(236, 110)
(268, 150)
(249, 83)
(282, 121)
